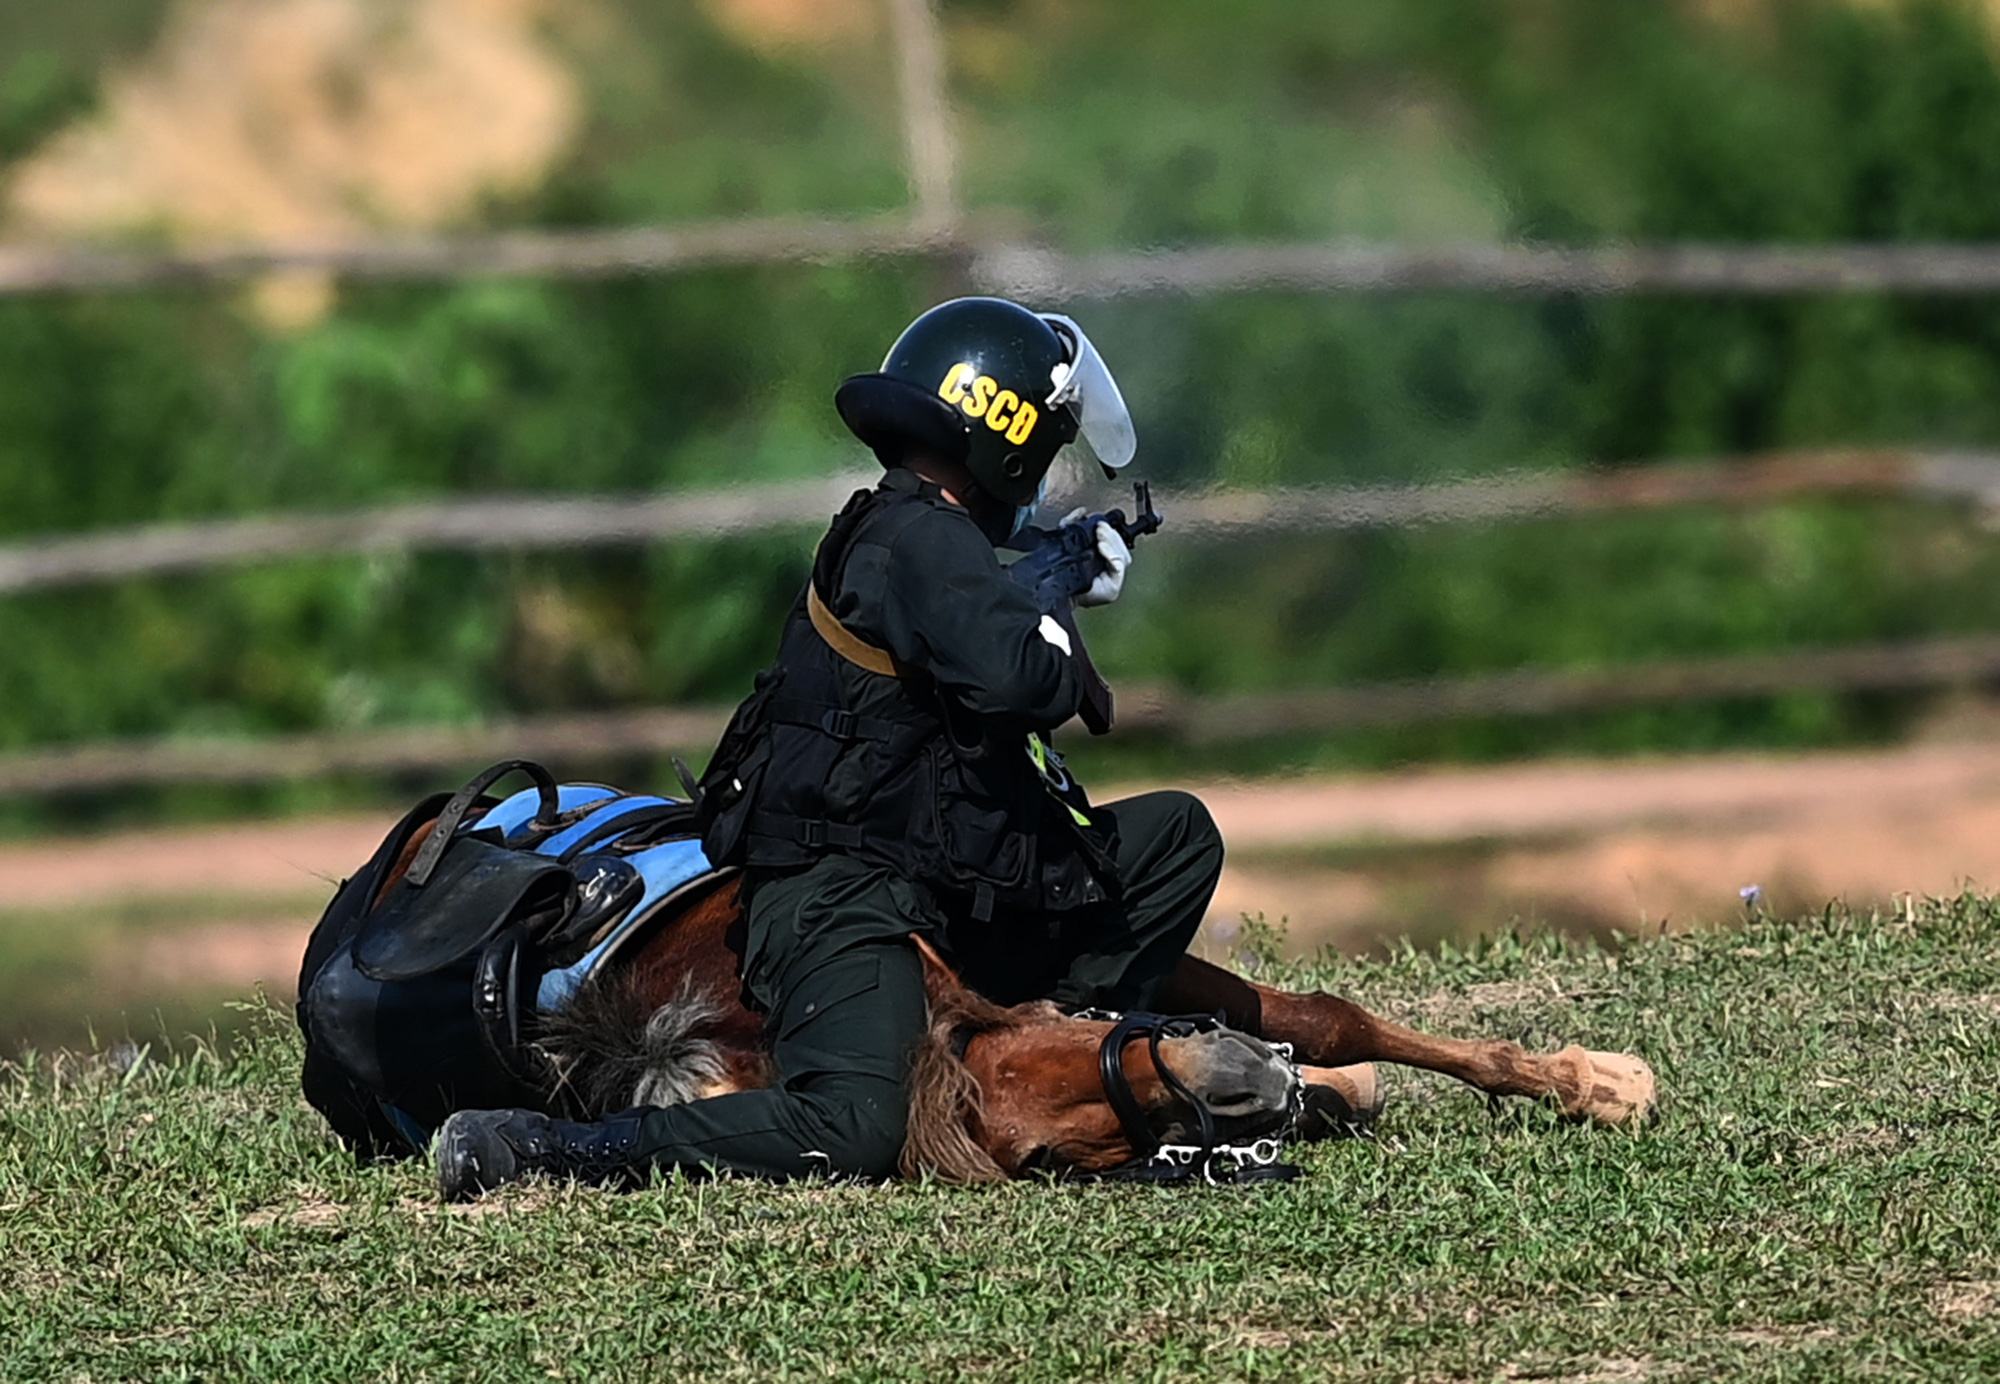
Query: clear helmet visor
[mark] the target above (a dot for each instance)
(1084, 383)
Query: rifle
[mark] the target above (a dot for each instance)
(1060, 564)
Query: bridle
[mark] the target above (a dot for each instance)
(1214, 1162)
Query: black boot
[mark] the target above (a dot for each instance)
(478, 1150)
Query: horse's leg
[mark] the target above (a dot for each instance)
(1327, 1031)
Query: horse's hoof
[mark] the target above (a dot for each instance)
(1611, 1088)
(1340, 1101)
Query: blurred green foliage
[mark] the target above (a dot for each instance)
(1103, 123)
(685, 122)
(52, 57)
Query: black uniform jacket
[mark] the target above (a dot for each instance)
(939, 770)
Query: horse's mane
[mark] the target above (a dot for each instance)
(610, 1053)
(944, 1099)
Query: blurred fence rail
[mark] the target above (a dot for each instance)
(997, 264)
(580, 254)
(473, 524)
(520, 523)
(615, 736)
(590, 736)
(1913, 666)
(1345, 266)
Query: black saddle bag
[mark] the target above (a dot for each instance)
(417, 981)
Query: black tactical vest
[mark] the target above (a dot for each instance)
(827, 756)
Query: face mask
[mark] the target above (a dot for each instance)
(1023, 513)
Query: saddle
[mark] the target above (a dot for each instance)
(424, 979)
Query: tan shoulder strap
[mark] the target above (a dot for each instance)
(856, 651)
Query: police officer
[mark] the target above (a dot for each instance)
(892, 776)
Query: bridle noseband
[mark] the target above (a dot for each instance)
(1153, 1161)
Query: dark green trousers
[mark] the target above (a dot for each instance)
(830, 960)
(1116, 955)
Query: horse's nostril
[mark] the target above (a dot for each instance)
(1235, 1075)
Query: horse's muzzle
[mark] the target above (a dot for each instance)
(1248, 1086)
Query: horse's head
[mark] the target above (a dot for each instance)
(1000, 1092)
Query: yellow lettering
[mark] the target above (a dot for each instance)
(1024, 423)
(996, 417)
(955, 381)
(982, 395)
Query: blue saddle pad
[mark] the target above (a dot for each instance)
(665, 867)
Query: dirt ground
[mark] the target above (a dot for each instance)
(1593, 846)
(1342, 861)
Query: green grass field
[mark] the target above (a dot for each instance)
(1816, 1200)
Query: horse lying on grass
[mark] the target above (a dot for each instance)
(1001, 1092)
(569, 950)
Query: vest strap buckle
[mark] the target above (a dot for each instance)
(813, 833)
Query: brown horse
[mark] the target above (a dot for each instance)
(997, 1092)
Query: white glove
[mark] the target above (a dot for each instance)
(1116, 557)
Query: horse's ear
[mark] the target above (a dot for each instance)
(940, 981)
(952, 1000)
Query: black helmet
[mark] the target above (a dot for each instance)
(987, 383)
